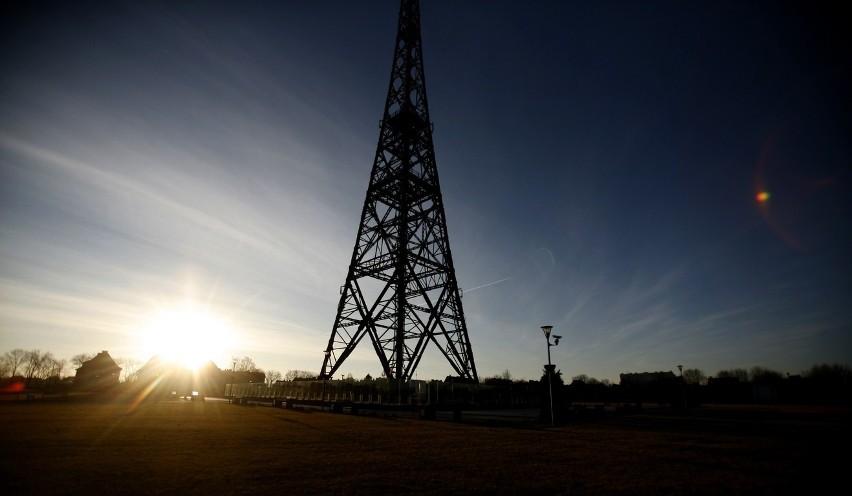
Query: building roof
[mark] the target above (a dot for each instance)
(101, 361)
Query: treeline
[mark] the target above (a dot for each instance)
(41, 369)
(821, 384)
(830, 373)
(33, 366)
(22, 369)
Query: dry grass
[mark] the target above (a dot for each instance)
(210, 447)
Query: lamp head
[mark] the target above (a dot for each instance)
(556, 339)
(546, 330)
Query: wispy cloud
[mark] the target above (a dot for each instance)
(121, 186)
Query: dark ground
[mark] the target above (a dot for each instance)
(168, 447)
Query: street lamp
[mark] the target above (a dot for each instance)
(549, 368)
(233, 379)
(324, 379)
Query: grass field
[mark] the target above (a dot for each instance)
(172, 447)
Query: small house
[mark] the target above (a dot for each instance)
(98, 373)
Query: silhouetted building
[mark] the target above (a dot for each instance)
(98, 373)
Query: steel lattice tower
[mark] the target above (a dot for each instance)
(401, 289)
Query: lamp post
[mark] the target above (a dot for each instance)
(233, 379)
(324, 379)
(549, 368)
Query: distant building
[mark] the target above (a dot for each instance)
(98, 373)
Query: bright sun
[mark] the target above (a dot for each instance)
(187, 334)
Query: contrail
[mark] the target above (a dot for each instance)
(486, 285)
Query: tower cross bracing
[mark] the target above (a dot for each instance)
(401, 292)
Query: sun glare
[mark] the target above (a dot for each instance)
(187, 334)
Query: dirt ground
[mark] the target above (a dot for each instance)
(170, 447)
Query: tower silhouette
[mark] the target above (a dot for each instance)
(401, 290)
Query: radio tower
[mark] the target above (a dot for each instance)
(401, 290)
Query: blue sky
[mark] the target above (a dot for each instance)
(599, 163)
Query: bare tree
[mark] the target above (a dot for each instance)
(763, 375)
(245, 364)
(589, 380)
(47, 364)
(79, 359)
(272, 376)
(129, 369)
(694, 376)
(299, 374)
(14, 359)
(32, 364)
(51, 369)
(57, 367)
(741, 374)
(40, 366)
(837, 374)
